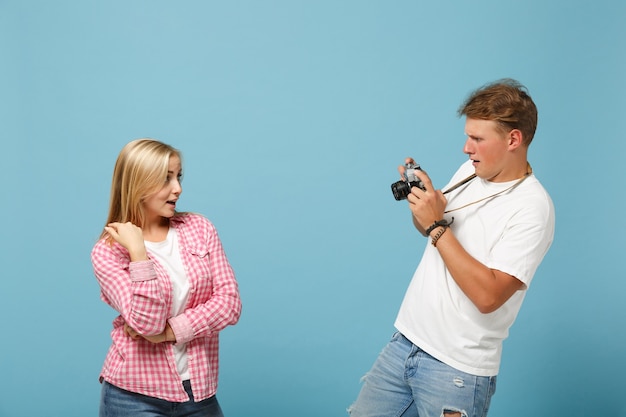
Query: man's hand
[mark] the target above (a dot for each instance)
(426, 206)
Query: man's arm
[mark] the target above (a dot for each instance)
(487, 288)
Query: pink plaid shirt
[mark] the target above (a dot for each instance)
(142, 293)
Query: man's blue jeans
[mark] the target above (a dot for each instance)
(406, 381)
(116, 402)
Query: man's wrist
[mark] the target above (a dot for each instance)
(441, 230)
(437, 224)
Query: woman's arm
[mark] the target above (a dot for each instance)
(131, 288)
(223, 305)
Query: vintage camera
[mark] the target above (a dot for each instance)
(402, 189)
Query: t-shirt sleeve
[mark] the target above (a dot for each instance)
(524, 241)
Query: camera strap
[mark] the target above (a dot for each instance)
(460, 183)
(528, 173)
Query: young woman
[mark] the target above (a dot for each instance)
(167, 275)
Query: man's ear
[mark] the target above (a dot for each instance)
(516, 139)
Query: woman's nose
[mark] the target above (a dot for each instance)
(177, 187)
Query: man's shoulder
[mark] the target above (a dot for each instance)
(535, 190)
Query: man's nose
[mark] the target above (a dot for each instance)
(467, 147)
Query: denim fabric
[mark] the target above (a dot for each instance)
(116, 402)
(405, 381)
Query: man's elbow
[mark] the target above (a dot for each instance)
(488, 305)
(494, 297)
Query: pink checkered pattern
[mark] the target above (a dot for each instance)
(141, 293)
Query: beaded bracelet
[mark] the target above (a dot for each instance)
(439, 234)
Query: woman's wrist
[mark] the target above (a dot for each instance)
(169, 334)
(138, 254)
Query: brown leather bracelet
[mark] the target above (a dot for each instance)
(439, 234)
(438, 223)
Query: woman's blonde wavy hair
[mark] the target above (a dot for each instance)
(140, 171)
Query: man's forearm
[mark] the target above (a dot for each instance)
(487, 288)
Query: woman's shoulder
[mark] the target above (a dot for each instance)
(106, 247)
(102, 244)
(192, 220)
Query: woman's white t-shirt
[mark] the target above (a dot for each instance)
(167, 253)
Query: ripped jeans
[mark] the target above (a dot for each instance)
(405, 381)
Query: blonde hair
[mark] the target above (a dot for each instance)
(140, 171)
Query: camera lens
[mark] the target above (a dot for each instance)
(400, 190)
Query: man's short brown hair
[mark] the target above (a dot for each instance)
(506, 102)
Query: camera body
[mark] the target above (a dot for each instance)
(401, 189)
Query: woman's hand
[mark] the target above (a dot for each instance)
(166, 335)
(129, 236)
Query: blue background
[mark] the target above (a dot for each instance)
(292, 117)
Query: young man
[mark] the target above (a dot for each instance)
(488, 229)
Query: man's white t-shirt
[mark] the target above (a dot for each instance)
(511, 233)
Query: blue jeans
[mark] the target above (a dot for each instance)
(116, 402)
(406, 381)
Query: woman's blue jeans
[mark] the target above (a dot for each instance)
(116, 402)
(406, 381)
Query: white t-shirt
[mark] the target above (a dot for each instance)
(511, 233)
(167, 253)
